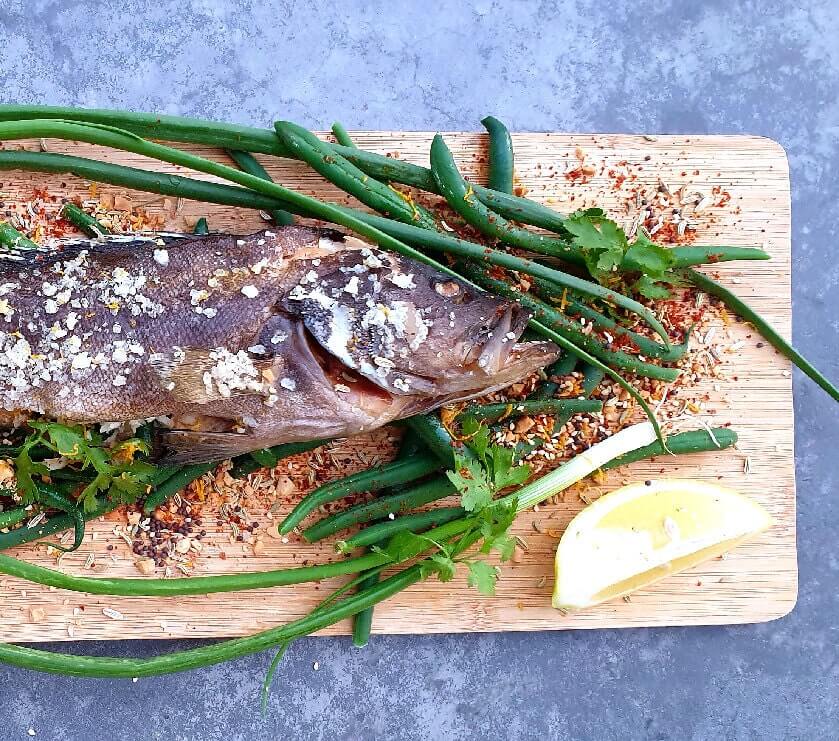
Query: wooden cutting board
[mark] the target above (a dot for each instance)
(756, 582)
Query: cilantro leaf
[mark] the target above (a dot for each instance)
(117, 473)
(477, 434)
(482, 576)
(403, 546)
(470, 479)
(602, 242)
(439, 564)
(648, 257)
(651, 288)
(68, 441)
(504, 472)
(25, 471)
(494, 529)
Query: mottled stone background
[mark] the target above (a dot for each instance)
(704, 66)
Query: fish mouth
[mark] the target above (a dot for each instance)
(492, 340)
(495, 358)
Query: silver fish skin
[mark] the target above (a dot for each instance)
(248, 341)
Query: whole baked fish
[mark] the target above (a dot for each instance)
(248, 342)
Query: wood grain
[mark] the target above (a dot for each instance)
(756, 582)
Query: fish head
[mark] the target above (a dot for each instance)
(409, 329)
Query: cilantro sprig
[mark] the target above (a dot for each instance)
(115, 472)
(608, 254)
(477, 476)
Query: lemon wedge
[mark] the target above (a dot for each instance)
(640, 533)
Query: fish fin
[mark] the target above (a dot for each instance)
(186, 446)
(186, 374)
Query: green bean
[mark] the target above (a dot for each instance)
(23, 535)
(229, 136)
(268, 458)
(563, 366)
(695, 441)
(250, 164)
(430, 491)
(557, 321)
(131, 177)
(341, 136)
(83, 221)
(647, 347)
(501, 167)
(113, 667)
(322, 158)
(684, 257)
(592, 377)
(560, 367)
(396, 473)
(362, 622)
(52, 498)
(769, 333)
(202, 227)
(436, 437)
(11, 517)
(162, 473)
(506, 410)
(458, 196)
(416, 522)
(140, 587)
(156, 126)
(12, 239)
(174, 483)
(409, 446)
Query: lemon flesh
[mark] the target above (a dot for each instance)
(636, 535)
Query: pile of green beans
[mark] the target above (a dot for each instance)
(397, 473)
(264, 141)
(432, 490)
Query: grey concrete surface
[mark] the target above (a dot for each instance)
(718, 66)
